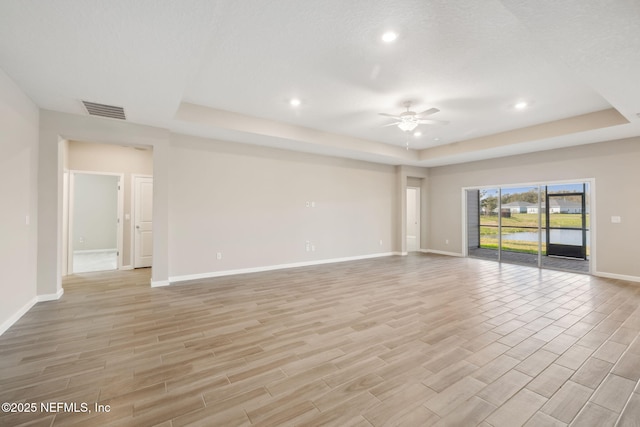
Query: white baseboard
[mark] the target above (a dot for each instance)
(273, 267)
(17, 315)
(95, 251)
(126, 267)
(159, 283)
(617, 276)
(434, 251)
(51, 297)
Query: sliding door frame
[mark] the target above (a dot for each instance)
(591, 195)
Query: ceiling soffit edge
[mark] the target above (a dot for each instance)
(557, 128)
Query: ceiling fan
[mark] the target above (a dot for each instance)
(409, 120)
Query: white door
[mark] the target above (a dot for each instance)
(143, 221)
(413, 219)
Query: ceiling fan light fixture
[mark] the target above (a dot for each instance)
(407, 126)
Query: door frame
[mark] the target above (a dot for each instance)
(592, 211)
(132, 225)
(120, 214)
(564, 249)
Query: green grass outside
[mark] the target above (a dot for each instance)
(514, 224)
(511, 245)
(531, 220)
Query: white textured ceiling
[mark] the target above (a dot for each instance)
(227, 69)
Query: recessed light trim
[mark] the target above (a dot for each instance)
(295, 102)
(417, 133)
(389, 36)
(521, 105)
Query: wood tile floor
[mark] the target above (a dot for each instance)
(412, 341)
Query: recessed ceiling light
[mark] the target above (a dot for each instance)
(436, 139)
(417, 134)
(295, 102)
(520, 105)
(389, 37)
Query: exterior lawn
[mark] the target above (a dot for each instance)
(531, 220)
(517, 223)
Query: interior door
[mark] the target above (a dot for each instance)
(143, 221)
(413, 219)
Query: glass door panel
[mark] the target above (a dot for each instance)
(488, 220)
(566, 216)
(520, 231)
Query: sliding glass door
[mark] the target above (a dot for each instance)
(540, 225)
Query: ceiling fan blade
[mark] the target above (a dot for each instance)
(428, 112)
(389, 115)
(391, 124)
(433, 122)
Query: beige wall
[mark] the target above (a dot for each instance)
(18, 195)
(88, 156)
(250, 204)
(613, 165)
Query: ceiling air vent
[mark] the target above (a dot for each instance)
(103, 110)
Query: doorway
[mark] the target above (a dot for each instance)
(566, 238)
(413, 219)
(544, 225)
(95, 225)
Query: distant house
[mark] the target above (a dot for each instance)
(515, 207)
(558, 206)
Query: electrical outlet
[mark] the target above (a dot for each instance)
(380, 242)
(446, 241)
(307, 246)
(313, 204)
(219, 256)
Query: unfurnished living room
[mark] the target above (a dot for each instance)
(319, 212)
